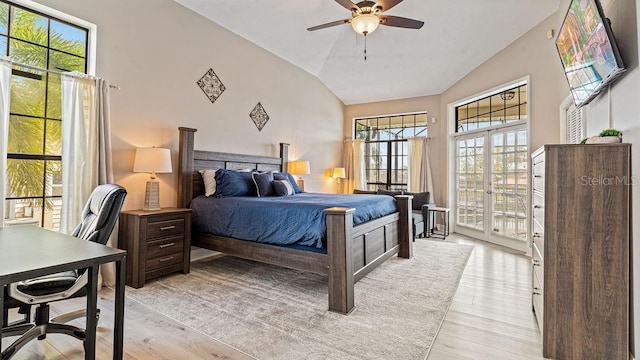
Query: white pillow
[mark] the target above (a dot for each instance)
(209, 179)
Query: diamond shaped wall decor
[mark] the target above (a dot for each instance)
(259, 116)
(212, 86)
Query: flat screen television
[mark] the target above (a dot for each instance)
(588, 51)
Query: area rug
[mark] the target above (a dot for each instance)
(275, 313)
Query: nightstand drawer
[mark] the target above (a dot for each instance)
(163, 261)
(164, 247)
(169, 227)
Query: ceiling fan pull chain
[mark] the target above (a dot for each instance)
(365, 47)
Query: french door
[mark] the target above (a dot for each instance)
(491, 185)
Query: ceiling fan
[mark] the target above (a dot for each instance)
(367, 15)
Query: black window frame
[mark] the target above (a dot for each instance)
(366, 133)
(517, 92)
(40, 75)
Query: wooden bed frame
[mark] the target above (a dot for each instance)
(352, 251)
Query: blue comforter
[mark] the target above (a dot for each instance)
(285, 220)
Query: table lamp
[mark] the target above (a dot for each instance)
(338, 173)
(300, 167)
(153, 160)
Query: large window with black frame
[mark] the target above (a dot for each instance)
(501, 108)
(34, 147)
(386, 151)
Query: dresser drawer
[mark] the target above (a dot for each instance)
(538, 214)
(165, 247)
(538, 236)
(538, 302)
(164, 228)
(163, 261)
(538, 265)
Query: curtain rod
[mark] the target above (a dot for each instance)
(37, 68)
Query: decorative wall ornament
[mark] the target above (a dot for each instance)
(212, 86)
(259, 116)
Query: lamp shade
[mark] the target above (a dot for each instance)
(152, 160)
(365, 24)
(339, 173)
(300, 167)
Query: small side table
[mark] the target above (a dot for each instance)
(433, 214)
(157, 242)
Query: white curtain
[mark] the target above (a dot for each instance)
(86, 151)
(353, 160)
(5, 91)
(420, 179)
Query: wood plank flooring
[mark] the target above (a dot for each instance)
(490, 318)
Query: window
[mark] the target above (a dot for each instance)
(386, 154)
(34, 159)
(501, 108)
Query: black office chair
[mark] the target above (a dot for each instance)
(98, 220)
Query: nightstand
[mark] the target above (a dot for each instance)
(158, 242)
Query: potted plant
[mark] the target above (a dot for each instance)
(606, 136)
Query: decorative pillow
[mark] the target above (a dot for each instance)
(262, 182)
(370, 192)
(209, 179)
(289, 177)
(388, 192)
(234, 183)
(282, 187)
(419, 199)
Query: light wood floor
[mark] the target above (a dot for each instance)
(490, 318)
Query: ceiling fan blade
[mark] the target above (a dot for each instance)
(387, 4)
(401, 22)
(333, 23)
(348, 4)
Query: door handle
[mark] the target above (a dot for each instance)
(489, 192)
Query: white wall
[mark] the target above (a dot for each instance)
(156, 50)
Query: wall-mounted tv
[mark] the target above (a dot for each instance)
(588, 50)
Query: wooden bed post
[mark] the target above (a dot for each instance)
(340, 258)
(284, 155)
(185, 166)
(405, 229)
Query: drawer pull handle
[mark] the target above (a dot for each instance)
(537, 176)
(536, 293)
(536, 262)
(163, 246)
(166, 259)
(168, 227)
(537, 207)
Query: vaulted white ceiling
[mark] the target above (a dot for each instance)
(458, 35)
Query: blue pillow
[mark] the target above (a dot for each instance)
(287, 176)
(262, 182)
(234, 183)
(282, 187)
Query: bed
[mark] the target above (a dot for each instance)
(349, 251)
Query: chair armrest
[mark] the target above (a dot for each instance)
(15, 293)
(425, 209)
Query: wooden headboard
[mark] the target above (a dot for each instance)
(191, 161)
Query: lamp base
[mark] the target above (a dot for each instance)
(152, 196)
(300, 183)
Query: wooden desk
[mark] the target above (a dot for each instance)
(29, 251)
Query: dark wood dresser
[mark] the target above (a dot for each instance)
(580, 251)
(157, 243)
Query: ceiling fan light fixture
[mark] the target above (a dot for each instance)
(365, 24)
